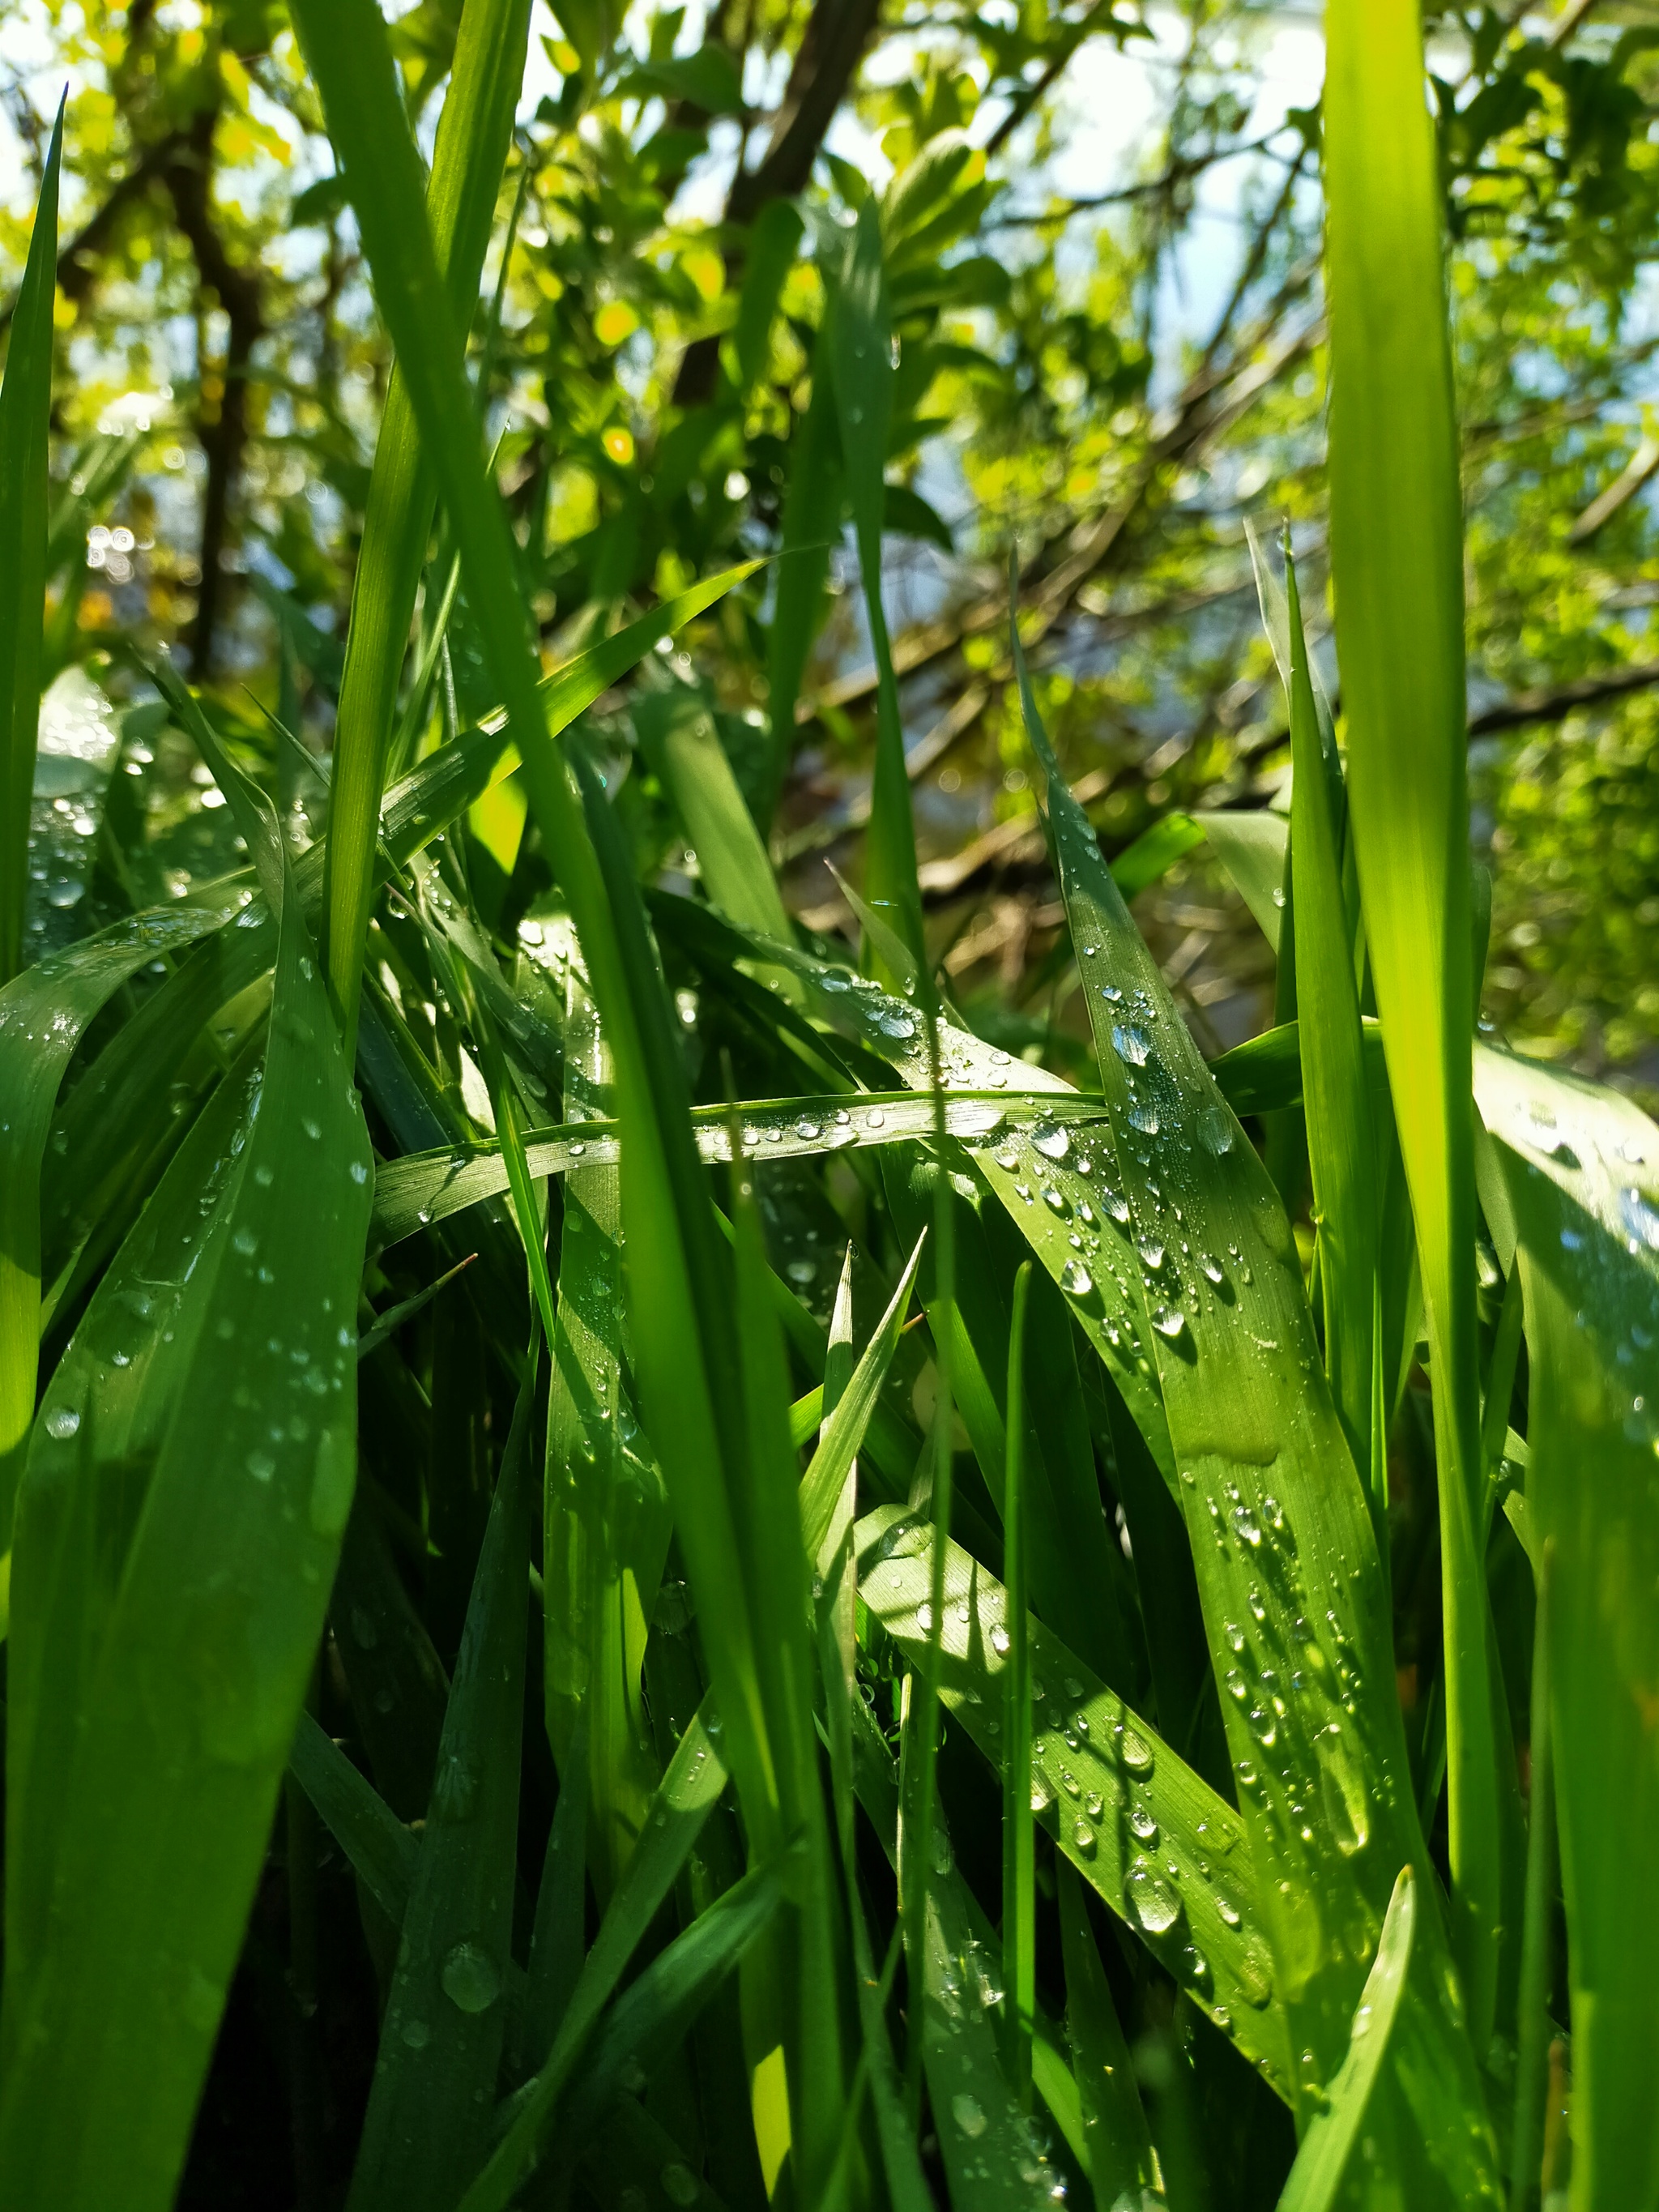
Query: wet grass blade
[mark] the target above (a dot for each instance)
(474, 132)
(427, 2127)
(1578, 1164)
(843, 1431)
(129, 1879)
(1396, 543)
(1117, 2144)
(1533, 2027)
(681, 742)
(1204, 1923)
(24, 414)
(990, 2155)
(1322, 2159)
(812, 510)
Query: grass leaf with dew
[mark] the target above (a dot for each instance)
(1206, 1925)
(990, 2155)
(1396, 541)
(682, 745)
(1117, 2144)
(131, 1875)
(24, 414)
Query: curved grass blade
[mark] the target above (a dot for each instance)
(381, 1849)
(24, 414)
(1396, 542)
(1293, 1593)
(474, 132)
(189, 1693)
(1579, 1165)
(1322, 2161)
(688, 1362)
(439, 790)
(427, 2127)
(1204, 1922)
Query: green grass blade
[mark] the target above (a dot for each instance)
(678, 732)
(558, 1942)
(474, 132)
(1208, 1927)
(427, 2127)
(696, 1776)
(1018, 1838)
(1335, 1093)
(191, 1681)
(1117, 2144)
(1578, 1163)
(381, 1849)
(1252, 847)
(843, 1432)
(25, 413)
(1293, 1592)
(1396, 543)
(1322, 2159)
(861, 346)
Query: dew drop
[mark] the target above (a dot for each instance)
(1131, 1044)
(967, 2113)
(471, 1979)
(1052, 1141)
(62, 1422)
(1075, 1278)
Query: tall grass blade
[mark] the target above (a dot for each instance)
(1396, 542)
(812, 510)
(474, 132)
(1335, 1094)
(381, 1849)
(24, 414)
(1534, 2029)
